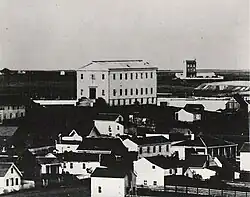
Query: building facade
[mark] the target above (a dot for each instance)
(118, 82)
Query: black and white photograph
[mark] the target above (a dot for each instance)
(122, 98)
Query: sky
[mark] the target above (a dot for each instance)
(63, 34)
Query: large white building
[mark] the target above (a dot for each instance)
(118, 82)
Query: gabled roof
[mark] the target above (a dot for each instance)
(108, 173)
(114, 145)
(107, 116)
(78, 157)
(7, 131)
(205, 141)
(165, 162)
(245, 147)
(5, 166)
(150, 140)
(116, 64)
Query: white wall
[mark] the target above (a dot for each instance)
(180, 150)
(78, 167)
(15, 175)
(185, 116)
(103, 127)
(145, 172)
(245, 161)
(61, 148)
(204, 172)
(164, 150)
(132, 147)
(110, 187)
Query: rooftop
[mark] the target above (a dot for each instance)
(205, 141)
(116, 64)
(107, 116)
(4, 167)
(7, 131)
(108, 173)
(150, 140)
(164, 162)
(197, 161)
(245, 147)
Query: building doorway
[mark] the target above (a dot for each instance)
(92, 93)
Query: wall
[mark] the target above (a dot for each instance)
(9, 176)
(66, 147)
(12, 112)
(164, 150)
(133, 84)
(132, 147)
(110, 187)
(245, 161)
(145, 172)
(180, 150)
(103, 127)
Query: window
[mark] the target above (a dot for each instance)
(126, 91)
(81, 76)
(71, 165)
(11, 170)
(131, 76)
(17, 181)
(146, 90)
(136, 75)
(141, 91)
(151, 74)
(146, 75)
(103, 93)
(103, 76)
(148, 149)
(81, 92)
(10, 115)
(154, 182)
(154, 149)
(167, 148)
(126, 76)
(120, 76)
(118, 127)
(131, 91)
(120, 92)
(136, 91)
(99, 189)
(129, 100)
(83, 166)
(141, 100)
(113, 76)
(114, 92)
(64, 165)
(145, 182)
(152, 100)
(151, 90)
(159, 148)
(7, 182)
(141, 75)
(12, 181)
(153, 167)
(92, 76)
(170, 171)
(140, 150)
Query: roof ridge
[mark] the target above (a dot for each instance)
(203, 141)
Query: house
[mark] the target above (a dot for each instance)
(197, 167)
(204, 145)
(112, 182)
(109, 124)
(68, 143)
(132, 146)
(10, 178)
(152, 146)
(118, 82)
(6, 132)
(245, 157)
(79, 164)
(151, 171)
(185, 116)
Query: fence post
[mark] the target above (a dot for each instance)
(221, 192)
(234, 193)
(175, 188)
(186, 189)
(246, 194)
(197, 190)
(209, 191)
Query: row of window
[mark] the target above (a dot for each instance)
(12, 115)
(10, 182)
(154, 149)
(133, 91)
(125, 76)
(146, 182)
(11, 107)
(71, 165)
(132, 101)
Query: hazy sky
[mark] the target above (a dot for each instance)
(67, 34)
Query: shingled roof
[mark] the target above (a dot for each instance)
(150, 140)
(107, 116)
(108, 173)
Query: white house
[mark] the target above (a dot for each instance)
(107, 182)
(10, 178)
(203, 172)
(109, 124)
(80, 165)
(132, 146)
(118, 82)
(68, 143)
(245, 157)
(184, 116)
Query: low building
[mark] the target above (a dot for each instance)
(245, 157)
(112, 182)
(205, 145)
(109, 124)
(10, 178)
(184, 116)
(68, 143)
